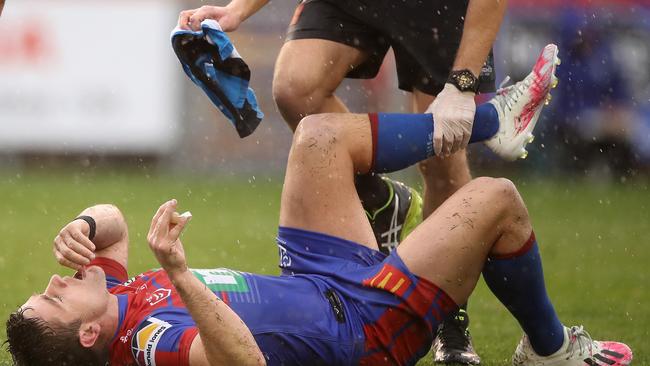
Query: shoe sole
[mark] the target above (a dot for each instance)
(527, 133)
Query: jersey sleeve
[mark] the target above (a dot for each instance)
(163, 341)
(115, 273)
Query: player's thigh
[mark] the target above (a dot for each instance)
(450, 247)
(312, 68)
(319, 193)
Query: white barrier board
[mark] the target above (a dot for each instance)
(88, 76)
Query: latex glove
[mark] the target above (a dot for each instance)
(453, 116)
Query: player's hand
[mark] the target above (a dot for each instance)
(72, 248)
(228, 18)
(164, 239)
(453, 116)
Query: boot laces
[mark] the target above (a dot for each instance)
(512, 93)
(454, 334)
(580, 341)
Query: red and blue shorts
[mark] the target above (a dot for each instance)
(393, 313)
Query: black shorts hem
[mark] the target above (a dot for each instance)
(367, 70)
(435, 88)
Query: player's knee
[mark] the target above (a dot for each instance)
(288, 102)
(503, 194)
(296, 98)
(317, 133)
(500, 187)
(510, 212)
(496, 189)
(283, 93)
(290, 93)
(504, 185)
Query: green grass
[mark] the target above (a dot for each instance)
(594, 242)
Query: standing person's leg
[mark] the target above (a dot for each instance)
(442, 176)
(324, 46)
(307, 73)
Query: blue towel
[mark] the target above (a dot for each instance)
(212, 62)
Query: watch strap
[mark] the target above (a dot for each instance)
(91, 222)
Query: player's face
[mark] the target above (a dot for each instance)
(67, 299)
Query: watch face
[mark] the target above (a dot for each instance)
(464, 80)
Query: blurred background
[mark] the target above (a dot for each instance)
(88, 82)
(94, 107)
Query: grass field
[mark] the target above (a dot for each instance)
(594, 242)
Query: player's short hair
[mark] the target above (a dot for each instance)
(32, 341)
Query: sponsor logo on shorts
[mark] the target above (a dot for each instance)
(146, 339)
(390, 279)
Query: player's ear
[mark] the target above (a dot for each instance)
(88, 334)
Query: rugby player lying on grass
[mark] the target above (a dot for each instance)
(339, 301)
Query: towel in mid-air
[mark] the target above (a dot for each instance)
(212, 62)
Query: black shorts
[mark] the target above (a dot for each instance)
(424, 35)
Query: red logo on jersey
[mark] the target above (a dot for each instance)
(158, 296)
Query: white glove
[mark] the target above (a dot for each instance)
(453, 115)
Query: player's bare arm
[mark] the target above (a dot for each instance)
(2, 4)
(223, 337)
(79, 242)
(482, 24)
(229, 16)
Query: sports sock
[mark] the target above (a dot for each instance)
(401, 140)
(486, 123)
(517, 280)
